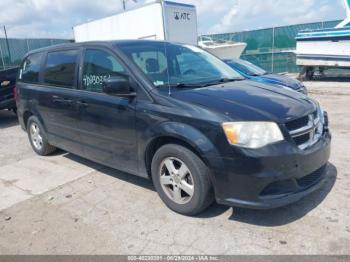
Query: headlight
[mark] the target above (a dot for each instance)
(252, 134)
(320, 112)
(301, 89)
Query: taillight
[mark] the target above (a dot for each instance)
(15, 92)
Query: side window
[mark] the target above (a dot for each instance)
(29, 72)
(60, 68)
(99, 65)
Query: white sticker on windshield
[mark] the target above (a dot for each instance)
(158, 83)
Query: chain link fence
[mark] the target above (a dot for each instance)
(274, 48)
(13, 50)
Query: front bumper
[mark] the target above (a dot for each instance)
(274, 177)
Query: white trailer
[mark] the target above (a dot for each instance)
(158, 20)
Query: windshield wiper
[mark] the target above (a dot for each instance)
(254, 74)
(186, 85)
(200, 85)
(223, 80)
(182, 85)
(226, 80)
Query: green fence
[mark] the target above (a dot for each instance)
(272, 48)
(13, 50)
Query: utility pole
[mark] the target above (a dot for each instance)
(273, 51)
(2, 59)
(8, 46)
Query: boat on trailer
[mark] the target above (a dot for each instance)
(225, 50)
(324, 48)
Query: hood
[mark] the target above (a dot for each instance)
(282, 80)
(250, 101)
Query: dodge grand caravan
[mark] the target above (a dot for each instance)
(179, 116)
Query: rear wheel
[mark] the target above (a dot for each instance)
(37, 137)
(182, 180)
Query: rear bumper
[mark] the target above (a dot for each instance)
(8, 104)
(273, 180)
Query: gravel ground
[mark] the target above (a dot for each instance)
(63, 204)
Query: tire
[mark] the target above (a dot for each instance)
(38, 140)
(196, 181)
(310, 72)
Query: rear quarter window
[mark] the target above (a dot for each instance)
(60, 68)
(30, 69)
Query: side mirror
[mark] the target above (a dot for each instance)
(118, 86)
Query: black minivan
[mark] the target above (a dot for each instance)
(177, 115)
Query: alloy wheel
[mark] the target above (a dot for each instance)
(35, 136)
(176, 180)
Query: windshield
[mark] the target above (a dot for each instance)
(166, 64)
(247, 68)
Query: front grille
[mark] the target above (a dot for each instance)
(292, 185)
(299, 140)
(298, 123)
(307, 130)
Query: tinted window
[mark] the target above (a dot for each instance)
(99, 65)
(60, 68)
(30, 69)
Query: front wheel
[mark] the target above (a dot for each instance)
(182, 180)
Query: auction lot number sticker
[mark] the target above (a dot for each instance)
(173, 258)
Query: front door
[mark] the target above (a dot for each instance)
(107, 123)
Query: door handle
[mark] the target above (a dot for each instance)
(57, 99)
(67, 101)
(82, 104)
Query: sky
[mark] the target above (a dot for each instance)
(55, 18)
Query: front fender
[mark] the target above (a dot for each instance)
(185, 133)
(190, 135)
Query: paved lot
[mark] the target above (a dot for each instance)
(63, 204)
